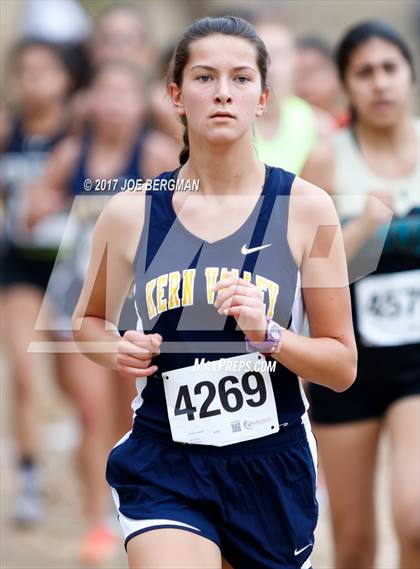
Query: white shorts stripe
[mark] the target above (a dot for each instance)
(307, 564)
(122, 439)
(130, 526)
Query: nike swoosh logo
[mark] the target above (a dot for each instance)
(246, 251)
(303, 549)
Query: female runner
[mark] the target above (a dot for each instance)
(42, 80)
(219, 462)
(116, 150)
(373, 168)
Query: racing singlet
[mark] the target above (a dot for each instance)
(70, 270)
(294, 140)
(22, 162)
(386, 300)
(174, 274)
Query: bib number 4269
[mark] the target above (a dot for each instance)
(219, 407)
(231, 398)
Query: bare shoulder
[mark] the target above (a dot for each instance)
(5, 126)
(311, 211)
(161, 153)
(121, 222)
(319, 167)
(324, 122)
(69, 148)
(62, 161)
(310, 203)
(156, 138)
(323, 153)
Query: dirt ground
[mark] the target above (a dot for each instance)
(54, 544)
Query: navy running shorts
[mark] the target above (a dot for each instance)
(385, 375)
(255, 499)
(23, 267)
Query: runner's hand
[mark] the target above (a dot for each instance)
(135, 353)
(245, 302)
(39, 202)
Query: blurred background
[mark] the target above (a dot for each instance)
(166, 20)
(82, 84)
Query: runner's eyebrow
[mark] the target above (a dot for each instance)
(236, 68)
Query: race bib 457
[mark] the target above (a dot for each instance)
(388, 309)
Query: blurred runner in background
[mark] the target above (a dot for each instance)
(317, 81)
(39, 120)
(289, 129)
(163, 115)
(115, 150)
(121, 34)
(373, 167)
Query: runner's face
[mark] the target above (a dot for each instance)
(280, 46)
(221, 89)
(120, 37)
(40, 77)
(116, 99)
(378, 82)
(316, 78)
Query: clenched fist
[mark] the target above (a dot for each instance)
(135, 353)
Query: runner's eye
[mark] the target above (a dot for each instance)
(364, 72)
(204, 78)
(390, 68)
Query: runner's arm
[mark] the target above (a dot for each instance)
(319, 170)
(49, 192)
(329, 356)
(109, 277)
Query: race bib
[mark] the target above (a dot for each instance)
(388, 309)
(229, 401)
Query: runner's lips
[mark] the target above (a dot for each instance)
(382, 103)
(222, 114)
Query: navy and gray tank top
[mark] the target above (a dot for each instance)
(174, 274)
(21, 162)
(70, 270)
(132, 169)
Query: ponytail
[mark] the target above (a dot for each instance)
(185, 152)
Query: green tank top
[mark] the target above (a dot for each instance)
(295, 137)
